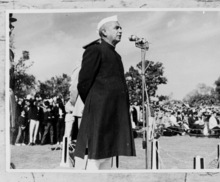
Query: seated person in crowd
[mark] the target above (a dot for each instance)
(185, 123)
(171, 123)
(176, 123)
(199, 125)
(192, 119)
(213, 124)
(166, 120)
(159, 118)
(173, 119)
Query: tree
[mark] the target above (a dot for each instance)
(202, 95)
(217, 89)
(163, 98)
(56, 86)
(23, 65)
(153, 77)
(24, 82)
(203, 89)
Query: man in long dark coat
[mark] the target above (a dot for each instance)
(106, 126)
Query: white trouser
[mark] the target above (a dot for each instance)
(79, 122)
(80, 164)
(99, 164)
(206, 130)
(91, 164)
(68, 130)
(186, 126)
(34, 125)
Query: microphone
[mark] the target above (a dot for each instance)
(136, 39)
(133, 38)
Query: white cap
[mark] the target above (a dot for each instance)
(106, 20)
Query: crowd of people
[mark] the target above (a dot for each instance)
(179, 118)
(42, 121)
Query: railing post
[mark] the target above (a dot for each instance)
(198, 163)
(65, 153)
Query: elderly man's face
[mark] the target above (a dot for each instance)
(113, 32)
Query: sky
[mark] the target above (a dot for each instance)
(186, 42)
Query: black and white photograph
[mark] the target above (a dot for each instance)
(113, 90)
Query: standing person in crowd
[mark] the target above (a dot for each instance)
(49, 120)
(22, 122)
(75, 100)
(69, 120)
(106, 127)
(35, 116)
(134, 115)
(41, 124)
(60, 123)
(133, 125)
(18, 109)
(27, 128)
(137, 107)
(80, 164)
(55, 110)
(141, 117)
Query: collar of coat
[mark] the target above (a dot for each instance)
(107, 44)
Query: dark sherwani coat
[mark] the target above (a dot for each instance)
(106, 125)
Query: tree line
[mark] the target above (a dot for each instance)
(204, 95)
(26, 83)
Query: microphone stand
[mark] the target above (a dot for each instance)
(144, 46)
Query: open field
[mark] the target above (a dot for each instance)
(176, 152)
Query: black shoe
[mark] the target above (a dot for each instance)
(58, 148)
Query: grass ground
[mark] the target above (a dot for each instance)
(176, 152)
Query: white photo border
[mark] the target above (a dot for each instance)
(7, 66)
